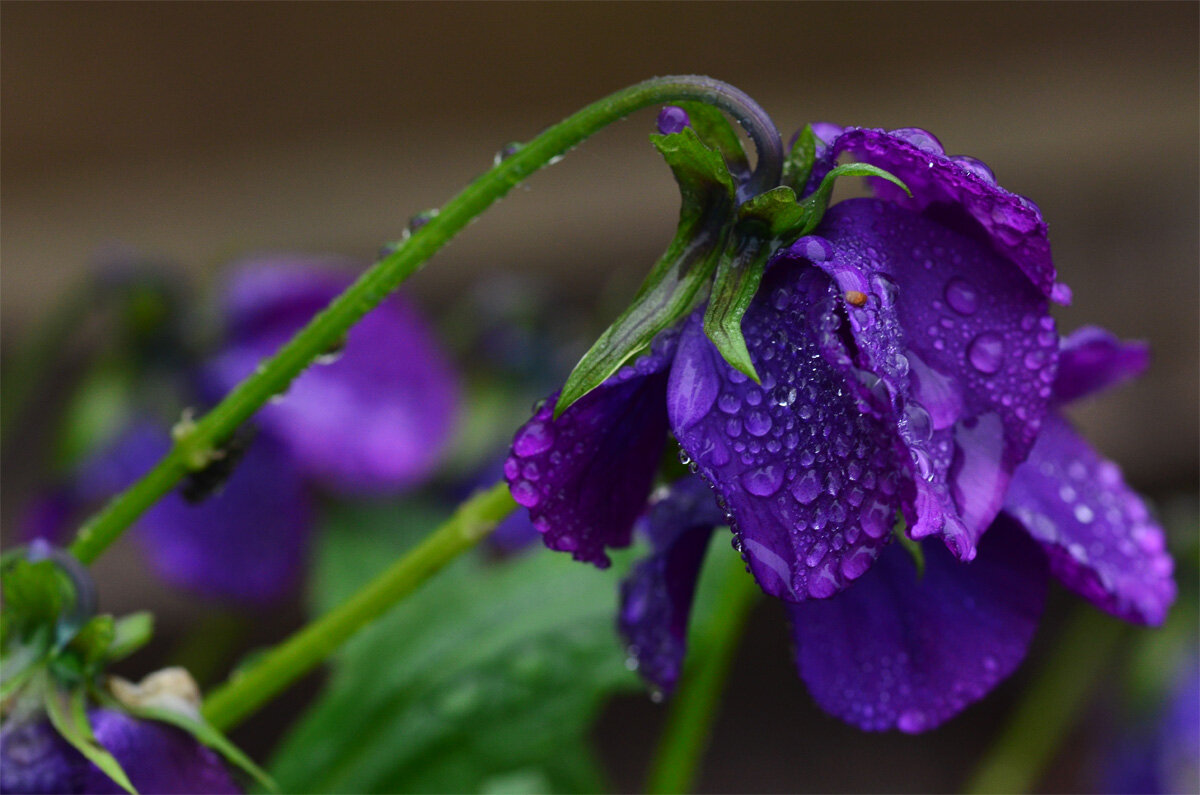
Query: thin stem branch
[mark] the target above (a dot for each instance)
(274, 671)
(696, 701)
(195, 442)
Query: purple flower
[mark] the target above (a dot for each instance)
(157, 758)
(908, 363)
(375, 417)
(378, 413)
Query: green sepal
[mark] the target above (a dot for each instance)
(815, 204)
(677, 283)
(202, 731)
(36, 594)
(715, 130)
(91, 644)
(68, 715)
(130, 633)
(738, 276)
(799, 163)
(775, 213)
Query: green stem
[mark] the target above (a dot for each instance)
(195, 442)
(1051, 705)
(274, 671)
(696, 701)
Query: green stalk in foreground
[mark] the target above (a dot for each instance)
(277, 669)
(197, 443)
(695, 703)
(1051, 705)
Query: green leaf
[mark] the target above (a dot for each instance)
(678, 282)
(799, 163)
(738, 276)
(486, 679)
(911, 546)
(775, 212)
(715, 130)
(204, 733)
(131, 633)
(817, 202)
(69, 716)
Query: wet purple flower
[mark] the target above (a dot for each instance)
(157, 758)
(908, 362)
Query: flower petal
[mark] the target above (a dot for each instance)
(155, 756)
(812, 483)
(959, 190)
(965, 347)
(1092, 359)
(378, 414)
(656, 597)
(585, 476)
(1102, 541)
(246, 542)
(898, 651)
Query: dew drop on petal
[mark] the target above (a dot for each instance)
(986, 352)
(962, 296)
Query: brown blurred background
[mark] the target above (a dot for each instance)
(204, 131)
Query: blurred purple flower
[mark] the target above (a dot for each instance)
(1163, 756)
(157, 758)
(376, 420)
(907, 362)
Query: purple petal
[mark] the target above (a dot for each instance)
(901, 652)
(157, 758)
(379, 414)
(812, 483)
(585, 476)
(656, 597)
(959, 190)
(246, 542)
(1092, 359)
(965, 349)
(1102, 541)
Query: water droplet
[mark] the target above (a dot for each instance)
(526, 494)
(962, 296)
(534, 438)
(758, 423)
(420, 219)
(1084, 514)
(911, 721)
(729, 403)
(807, 487)
(507, 151)
(672, 119)
(920, 425)
(986, 352)
(763, 481)
(885, 288)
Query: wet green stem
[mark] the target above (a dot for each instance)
(272, 672)
(697, 699)
(196, 443)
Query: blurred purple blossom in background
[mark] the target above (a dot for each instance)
(373, 417)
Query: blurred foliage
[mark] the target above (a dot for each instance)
(485, 680)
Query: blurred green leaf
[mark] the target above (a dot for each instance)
(799, 163)
(485, 680)
(35, 595)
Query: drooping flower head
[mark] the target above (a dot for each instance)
(906, 364)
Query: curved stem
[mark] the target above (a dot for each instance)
(250, 688)
(695, 703)
(195, 442)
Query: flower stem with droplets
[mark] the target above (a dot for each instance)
(196, 443)
(272, 672)
(697, 699)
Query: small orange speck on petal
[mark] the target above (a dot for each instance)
(855, 298)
